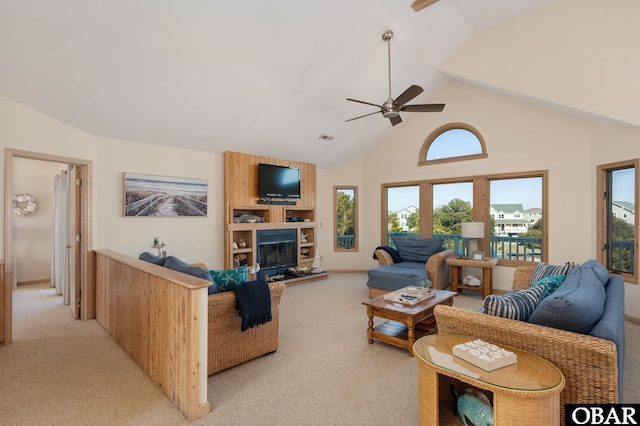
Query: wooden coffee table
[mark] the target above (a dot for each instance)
(406, 322)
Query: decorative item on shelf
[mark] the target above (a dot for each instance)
(159, 245)
(471, 281)
(472, 406)
(242, 243)
(23, 204)
(305, 253)
(303, 239)
(235, 245)
(315, 266)
(254, 269)
(299, 271)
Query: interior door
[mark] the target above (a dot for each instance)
(74, 238)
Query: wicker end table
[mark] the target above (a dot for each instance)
(487, 274)
(526, 393)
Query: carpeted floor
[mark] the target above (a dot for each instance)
(59, 371)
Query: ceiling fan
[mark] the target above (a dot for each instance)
(391, 107)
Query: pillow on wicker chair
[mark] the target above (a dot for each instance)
(226, 279)
(517, 305)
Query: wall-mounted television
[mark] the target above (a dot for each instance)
(278, 181)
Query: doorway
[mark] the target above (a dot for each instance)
(83, 286)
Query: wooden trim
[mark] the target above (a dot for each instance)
(32, 282)
(356, 236)
(159, 318)
(87, 307)
(422, 159)
(481, 202)
(601, 214)
(421, 4)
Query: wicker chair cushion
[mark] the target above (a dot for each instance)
(517, 305)
(576, 305)
(226, 279)
(418, 250)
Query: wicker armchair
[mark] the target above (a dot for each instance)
(589, 364)
(437, 269)
(228, 346)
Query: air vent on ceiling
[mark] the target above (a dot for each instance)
(325, 137)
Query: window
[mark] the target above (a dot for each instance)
(402, 212)
(452, 204)
(346, 219)
(452, 142)
(617, 198)
(513, 237)
(513, 204)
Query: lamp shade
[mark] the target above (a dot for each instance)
(472, 229)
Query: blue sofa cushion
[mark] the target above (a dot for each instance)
(398, 276)
(576, 305)
(176, 264)
(418, 250)
(598, 269)
(152, 258)
(517, 305)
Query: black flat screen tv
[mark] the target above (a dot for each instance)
(278, 181)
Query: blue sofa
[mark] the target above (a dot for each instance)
(411, 262)
(579, 327)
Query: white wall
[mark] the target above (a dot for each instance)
(32, 233)
(192, 239)
(520, 136)
(346, 175)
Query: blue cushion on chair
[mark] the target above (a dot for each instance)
(418, 250)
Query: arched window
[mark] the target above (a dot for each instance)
(452, 142)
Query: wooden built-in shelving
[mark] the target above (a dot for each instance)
(241, 197)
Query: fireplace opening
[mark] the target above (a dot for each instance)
(277, 251)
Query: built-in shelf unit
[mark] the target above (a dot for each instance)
(241, 199)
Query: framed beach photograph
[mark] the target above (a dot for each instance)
(149, 195)
(477, 255)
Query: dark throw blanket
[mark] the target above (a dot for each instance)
(392, 252)
(253, 300)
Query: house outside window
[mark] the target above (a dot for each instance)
(617, 227)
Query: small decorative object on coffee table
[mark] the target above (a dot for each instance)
(410, 295)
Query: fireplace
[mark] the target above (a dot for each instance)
(276, 251)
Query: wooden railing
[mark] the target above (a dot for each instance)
(159, 318)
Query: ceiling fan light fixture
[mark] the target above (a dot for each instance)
(390, 114)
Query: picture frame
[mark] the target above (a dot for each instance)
(164, 196)
(477, 255)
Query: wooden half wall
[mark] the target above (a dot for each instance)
(159, 318)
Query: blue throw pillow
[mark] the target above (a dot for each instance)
(598, 269)
(213, 289)
(152, 258)
(226, 279)
(576, 305)
(551, 284)
(517, 305)
(180, 266)
(418, 250)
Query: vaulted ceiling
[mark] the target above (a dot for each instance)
(269, 78)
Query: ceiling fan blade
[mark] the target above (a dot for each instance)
(408, 94)
(366, 115)
(395, 120)
(422, 108)
(363, 102)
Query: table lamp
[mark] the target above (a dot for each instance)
(472, 231)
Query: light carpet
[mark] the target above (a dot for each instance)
(60, 371)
